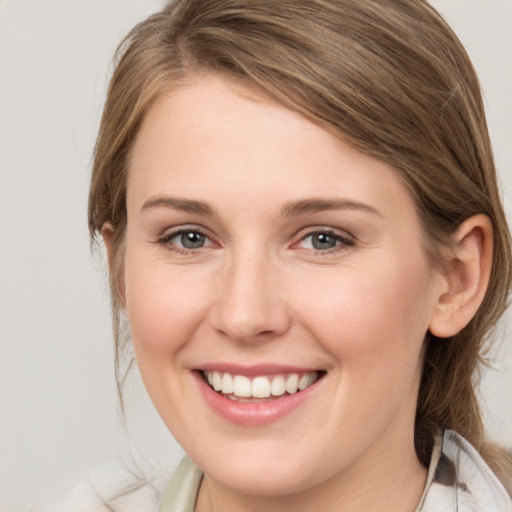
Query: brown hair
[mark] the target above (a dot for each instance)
(390, 78)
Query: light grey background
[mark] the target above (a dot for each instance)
(58, 413)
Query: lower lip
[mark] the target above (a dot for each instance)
(257, 413)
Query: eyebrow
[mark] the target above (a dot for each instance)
(290, 209)
(186, 205)
(306, 206)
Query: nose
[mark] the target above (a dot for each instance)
(250, 305)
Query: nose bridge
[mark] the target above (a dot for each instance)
(250, 304)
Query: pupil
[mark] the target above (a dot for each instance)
(192, 240)
(324, 241)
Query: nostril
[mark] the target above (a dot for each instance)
(265, 333)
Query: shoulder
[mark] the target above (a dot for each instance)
(459, 479)
(116, 487)
(113, 487)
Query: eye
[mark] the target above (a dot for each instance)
(184, 240)
(325, 240)
(189, 240)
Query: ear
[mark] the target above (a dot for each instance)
(466, 278)
(115, 272)
(107, 233)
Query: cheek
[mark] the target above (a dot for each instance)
(375, 317)
(373, 324)
(164, 303)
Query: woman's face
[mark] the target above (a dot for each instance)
(265, 255)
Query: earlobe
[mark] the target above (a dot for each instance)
(115, 263)
(107, 234)
(466, 278)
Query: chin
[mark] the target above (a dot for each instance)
(263, 467)
(266, 478)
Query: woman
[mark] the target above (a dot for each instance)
(299, 205)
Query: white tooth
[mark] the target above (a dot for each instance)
(241, 386)
(306, 381)
(260, 387)
(277, 387)
(291, 383)
(227, 384)
(216, 381)
(209, 376)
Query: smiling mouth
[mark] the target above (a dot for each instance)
(262, 388)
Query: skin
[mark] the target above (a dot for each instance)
(259, 292)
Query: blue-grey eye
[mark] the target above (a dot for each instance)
(323, 241)
(191, 240)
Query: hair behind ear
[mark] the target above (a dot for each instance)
(500, 461)
(455, 348)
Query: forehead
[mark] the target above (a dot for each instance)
(216, 140)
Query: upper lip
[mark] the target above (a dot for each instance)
(257, 369)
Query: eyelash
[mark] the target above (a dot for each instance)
(166, 240)
(342, 241)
